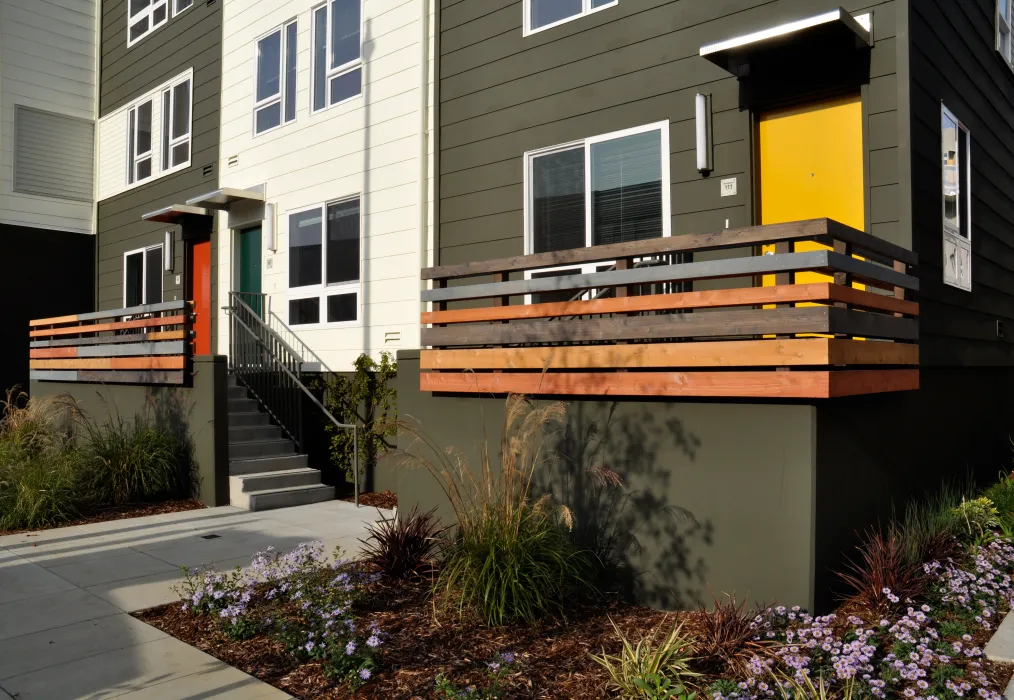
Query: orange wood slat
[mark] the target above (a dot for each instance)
(43, 353)
(89, 363)
(819, 384)
(730, 353)
(720, 298)
(120, 325)
(52, 321)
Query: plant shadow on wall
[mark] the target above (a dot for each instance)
(650, 546)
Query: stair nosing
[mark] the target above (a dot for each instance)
(266, 457)
(286, 489)
(280, 472)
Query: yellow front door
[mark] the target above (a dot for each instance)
(810, 166)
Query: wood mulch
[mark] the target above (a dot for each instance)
(553, 659)
(132, 510)
(384, 499)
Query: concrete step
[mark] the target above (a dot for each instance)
(250, 418)
(237, 392)
(238, 467)
(233, 381)
(272, 481)
(253, 433)
(283, 498)
(261, 448)
(242, 405)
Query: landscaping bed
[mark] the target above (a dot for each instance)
(383, 499)
(131, 510)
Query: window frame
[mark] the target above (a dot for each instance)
(166, 127)
(329, 72)
(278, 97)
(144, 251)
(964, 180)
(1004, 26)
(148, 12)
(176, 7)
(133, 157)
(323, 290)
(586, 9)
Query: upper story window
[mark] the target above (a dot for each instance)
(324, 263)
(337, 53)
(142, 276)
(145, 16)
(139, 142)
(159, 127)
(956, 143)
(275, 98)
(543, 14)
(1004, 22)
(176, 119)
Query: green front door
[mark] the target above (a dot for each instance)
(249, 278)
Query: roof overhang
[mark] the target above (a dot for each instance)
(225, 197)
(175, 214)
(818, 38)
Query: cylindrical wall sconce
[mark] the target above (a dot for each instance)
(269, 227)
(167, 252)
(704, 164)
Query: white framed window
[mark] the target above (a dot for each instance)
(144, 17)
(177, 115)
(1004, 22)
(956, 188)
(142, 276)
(275, 79)
(180, 5)
(337, 53)
(606, 189)
(325, 264)
(139, 142)
(544, 14)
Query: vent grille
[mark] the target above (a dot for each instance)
(208, 169)
(233, 160)
(53, 154)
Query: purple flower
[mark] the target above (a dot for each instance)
(350, 648)
(365, 674)
(373, 642)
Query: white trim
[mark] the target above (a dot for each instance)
(177, 11)
(144, 273)
(961, 243)
(1003, 28)
(148, 12)
(187, 137)
(323, 290)
(586, 10)
(134, 156)
(279, 97)
(329, 72)
(788, 28)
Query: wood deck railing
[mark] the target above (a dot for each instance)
(643, 329)
(140, 345)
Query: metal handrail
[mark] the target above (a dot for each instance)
(304, 350)
(277, 365)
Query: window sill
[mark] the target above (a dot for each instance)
(528, 31)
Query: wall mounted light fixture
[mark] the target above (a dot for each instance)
(269, 227)
(167, 252)
(704, 164)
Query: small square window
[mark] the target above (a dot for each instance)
(543, 14)
(304, 311)
(341, 308)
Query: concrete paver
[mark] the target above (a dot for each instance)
(65, 595)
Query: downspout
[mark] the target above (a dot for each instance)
(425, 242)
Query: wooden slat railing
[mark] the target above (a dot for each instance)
(853, 332)
(139, 345)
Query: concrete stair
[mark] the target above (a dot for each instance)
(264, 470)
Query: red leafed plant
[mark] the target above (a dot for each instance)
(725, 637)
(404, 547)
(885, 574)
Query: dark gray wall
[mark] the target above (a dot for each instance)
(191, 40)
(501, 94)
(744, 471)
(953, 61)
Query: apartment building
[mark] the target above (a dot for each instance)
(48, 74)
(326, 116)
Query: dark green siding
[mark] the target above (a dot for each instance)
(953, 61)
(501, 94)
(191, 40)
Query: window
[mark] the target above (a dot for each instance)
(176, 117)
(1004, 21)
(145, 16)
(607, 189)
(139, 143)
(543, 14)
(337, 53)
(957, 200)
(275, 98)
(180, 5)
(142, 276)
(324, 263)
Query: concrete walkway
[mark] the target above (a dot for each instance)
(65, 594)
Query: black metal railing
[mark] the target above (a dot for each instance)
(257, 302)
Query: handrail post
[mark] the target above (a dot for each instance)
(355, 458)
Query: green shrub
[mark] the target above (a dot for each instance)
(130, 461)
(978, 516)
(652, 668)
(39, 491)
(928, 530)
(1002, 496)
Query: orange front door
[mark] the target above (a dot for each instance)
(200, 292)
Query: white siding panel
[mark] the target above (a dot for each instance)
(47, 62)
(370, 146)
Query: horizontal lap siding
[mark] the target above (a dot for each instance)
(191, 40)
(502, 94)
(953, 61)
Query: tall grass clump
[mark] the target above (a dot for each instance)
(39, 464)
(511, 556)
(133, 460)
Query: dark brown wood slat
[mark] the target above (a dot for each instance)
(105, 339)
(822, 230)
(108, 377)
(782, 321)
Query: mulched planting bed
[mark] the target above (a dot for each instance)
(553, 658)
(384, 499)
(132, 510)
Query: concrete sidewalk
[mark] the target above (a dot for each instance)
(65, 594)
